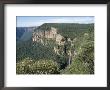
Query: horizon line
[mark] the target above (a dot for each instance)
(54, 23)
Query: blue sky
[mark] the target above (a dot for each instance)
(28, 21)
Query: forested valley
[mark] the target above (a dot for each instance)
(56, 48)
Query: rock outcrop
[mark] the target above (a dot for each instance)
(39, 35)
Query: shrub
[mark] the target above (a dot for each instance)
(87, 55)
(76, 68)
(23, 67)
(45, 67)
(27, 66)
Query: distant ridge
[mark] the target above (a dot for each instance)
(24, 33)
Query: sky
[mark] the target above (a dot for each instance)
(28, 21)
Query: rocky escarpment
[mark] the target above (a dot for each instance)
(61, 43)
(51, 34)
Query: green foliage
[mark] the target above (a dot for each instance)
(62, 60)
(83, 62)
(77, 68)
(35, 50)
(27, 66)
(87, 55)
(45, 67)
(23, 67)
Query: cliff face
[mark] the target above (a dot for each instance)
(39, 34)
(50, 34)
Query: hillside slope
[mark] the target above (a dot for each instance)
(24, 33)
(83, 61)
(70, 30)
